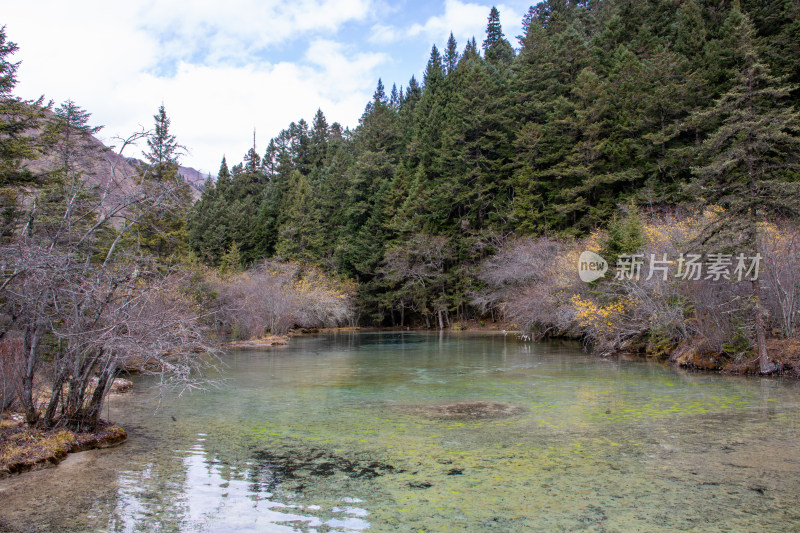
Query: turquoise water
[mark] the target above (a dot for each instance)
(344, 433)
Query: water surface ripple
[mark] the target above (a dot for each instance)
(345, 432)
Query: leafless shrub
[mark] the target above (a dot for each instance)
(534, 283)
(527, 281)
(780, 248)
(276, 296)
(82, 309)
(418, 268)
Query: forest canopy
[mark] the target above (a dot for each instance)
(597, 105)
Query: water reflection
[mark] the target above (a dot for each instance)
(209, 494)
(330, 433)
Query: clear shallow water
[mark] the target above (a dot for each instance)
(329, 434)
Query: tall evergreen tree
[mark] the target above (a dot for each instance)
(497, 49)
(164, 150)
(67, 137)
(494, 32)
(451, 55)
(299, 234)
(223, 175)
(18, 118)
(162, 230)
(395, 97)
(380, 93)
(749, 164)
(434, 71)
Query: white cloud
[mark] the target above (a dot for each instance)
(236, 29)
(205, 60)
(215, 108)
(382, 34)
(222, 68)
(464, 19)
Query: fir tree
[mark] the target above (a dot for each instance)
(223, 175)
(451, 56)
(496, 48)
(494, 31)
(17, 119)
(395, 97)
(434, 71)
(380, 93)
(164, 151)
(162, 230)
(299, 233)
(690, 37)
(748, 165)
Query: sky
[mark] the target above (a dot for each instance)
(225, 69)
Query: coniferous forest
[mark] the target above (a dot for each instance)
(623, 179)
(463, 198)
(600, 104)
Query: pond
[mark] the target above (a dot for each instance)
(389, 431)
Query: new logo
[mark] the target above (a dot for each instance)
(591, 267)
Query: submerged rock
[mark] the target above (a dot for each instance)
(465, 410)
(276, 466)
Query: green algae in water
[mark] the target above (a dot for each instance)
(331, 433)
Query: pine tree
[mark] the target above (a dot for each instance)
(299, 234)
(17, 119)
(164, 150)
(380, 93)
(748, 165)
(494, 31)
(320, 133)
(690, 36)
(527, 20)
(395, 97)
(451, 56)
(496, 48)
(223, 175)
(625, 234)
(434, 71)
(231, 261)
(67, 136)
(162, 230)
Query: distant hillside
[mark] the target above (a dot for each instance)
(195, 178)
(97, 160)
(192, 176)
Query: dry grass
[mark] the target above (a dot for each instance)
(783, 352)
(23, 448)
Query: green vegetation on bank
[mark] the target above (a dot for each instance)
(662, 105)
(465, 195)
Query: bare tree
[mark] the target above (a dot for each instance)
(419, 267)
(276, 296)
(780, 247)
(83, 309)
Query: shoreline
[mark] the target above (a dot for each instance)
(694, 356)
(26, 449)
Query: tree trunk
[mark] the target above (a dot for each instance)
(31, 347)
(90, 415)
(55, 399)
(441, 322)
(765, 366)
